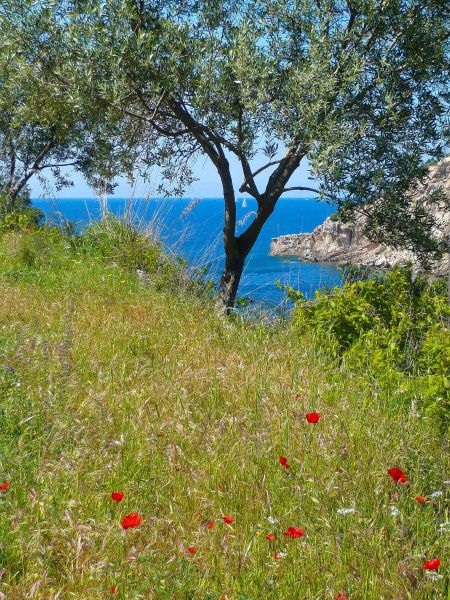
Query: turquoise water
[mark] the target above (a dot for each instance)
(193, 229)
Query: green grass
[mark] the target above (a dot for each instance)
(109, 385)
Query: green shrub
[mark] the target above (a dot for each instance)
(136, 249)
(20, 220)
(121, 242)
(433, 380)
(32, 249)
(393, 327)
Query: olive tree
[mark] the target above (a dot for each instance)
(42, 132)
(356, 87)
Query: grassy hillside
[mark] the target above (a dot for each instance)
(109, 384)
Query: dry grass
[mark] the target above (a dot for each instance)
(109, 386)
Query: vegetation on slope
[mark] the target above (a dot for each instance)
(111, 383)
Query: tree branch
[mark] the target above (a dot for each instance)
(151, 120)
(257, 172)
(249, 184)
(12, 166)
(157, 107)
(57, 166)
(212, 147)
(309, 189)
(35, 168)
(283, 172)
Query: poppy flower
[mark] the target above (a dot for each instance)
(421, 499)
(131, 520)
(276, 556)
(294, 532)
(270, 537)
(228, 520)
(341, 596)
(211, 525)
(114, 589)
(4, 486)
(283, 462)
(397, 475)
(118, 496)
(192, 549)
(432, 565)
(313, 417)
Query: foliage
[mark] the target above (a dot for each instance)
(137, 249)
(120, 241)
(357, 88)
(27, 251)
(393, 325)
(21, 219)
(109, 385)
(22, 201)
(42, 133)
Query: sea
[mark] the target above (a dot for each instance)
(192, 229)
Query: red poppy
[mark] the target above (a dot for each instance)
(276, 556)
(118, 496)
(114, 589)
(397, 475)
(211, 525)
(228, 520)
(192, 549)
(294, 532)
(341, 596)
(421, 499)
(432, 565)
(4, 486)
(131, 520)
(313, 417)
(283, 462)
(270, 537)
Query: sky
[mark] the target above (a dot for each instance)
(207, 186)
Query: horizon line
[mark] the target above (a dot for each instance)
(169, 198)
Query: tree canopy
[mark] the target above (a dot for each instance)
(41, 131)
(357, 87)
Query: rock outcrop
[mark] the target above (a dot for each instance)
(343, 244)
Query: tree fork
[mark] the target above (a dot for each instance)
(236, 252)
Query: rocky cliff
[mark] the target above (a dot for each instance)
(342, 244)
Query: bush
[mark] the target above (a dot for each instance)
(32, 249)
(136, 249)
(393, 327)
(121, 242)
(19, 220)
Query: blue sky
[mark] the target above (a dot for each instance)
(207, 186)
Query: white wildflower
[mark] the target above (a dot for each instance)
(447, 482)
(393, 511)
(437, 494)
(346, 511)
(444, 527)
(282, 554)
(272, 520)
(433, 575)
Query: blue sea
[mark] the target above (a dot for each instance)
(193, 230)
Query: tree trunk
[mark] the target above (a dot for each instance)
(236, 251)
(231, 276)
